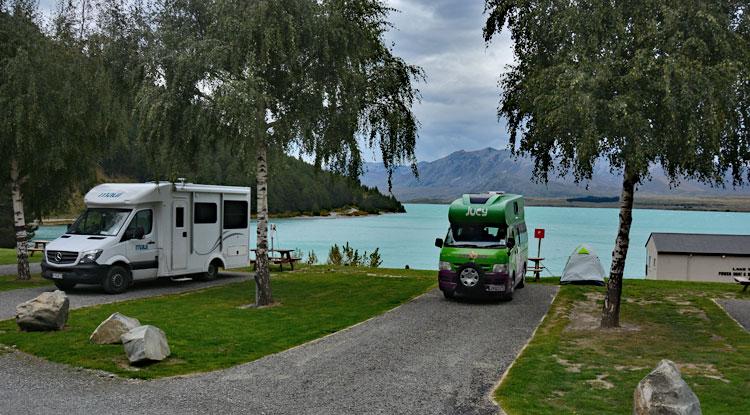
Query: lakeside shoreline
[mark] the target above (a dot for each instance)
(735, 204)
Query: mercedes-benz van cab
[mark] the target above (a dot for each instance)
(485, 251)
(140, 231)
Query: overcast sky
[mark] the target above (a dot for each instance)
(459, 99)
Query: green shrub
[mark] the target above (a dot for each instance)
(334, 255)
(375, 260)
(351, 256)
(347, 255)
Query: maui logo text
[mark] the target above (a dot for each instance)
(111, 194)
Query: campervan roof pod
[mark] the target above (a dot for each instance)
(487, 207)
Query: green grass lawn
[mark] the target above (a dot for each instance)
(572, 366)
(11, 282)
(207, 329)
(8, 256)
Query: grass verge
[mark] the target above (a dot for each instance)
(8, 256)
(207, 330)
(11, 282)
(572, 366)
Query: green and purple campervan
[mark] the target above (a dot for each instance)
(485, 251)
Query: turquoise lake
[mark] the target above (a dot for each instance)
(408, 238)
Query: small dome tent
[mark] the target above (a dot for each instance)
(583, 267)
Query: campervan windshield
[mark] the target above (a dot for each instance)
(475, 236)
(100, 221)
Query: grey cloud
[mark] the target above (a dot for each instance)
(459, 100)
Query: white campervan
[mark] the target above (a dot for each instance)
(139, 231)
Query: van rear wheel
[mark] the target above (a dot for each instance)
(116, 281)
(211, 273)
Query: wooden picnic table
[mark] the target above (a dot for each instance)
(536, 267)
(744, 281)
(285, 257)
(38, 246)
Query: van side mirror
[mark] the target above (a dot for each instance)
(510, 243)
(439, 242)
(70, 225)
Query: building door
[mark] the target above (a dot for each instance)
(180, 237)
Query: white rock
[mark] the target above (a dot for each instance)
(145, 343)
(48, 311)
(111, 330)
(664, 392)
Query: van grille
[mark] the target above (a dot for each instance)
(61, 257)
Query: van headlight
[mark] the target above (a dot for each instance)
(91, 256)
(501, 268)
(444, 266)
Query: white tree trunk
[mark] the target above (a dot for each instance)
(22, 251)
(262, 275)
(611, 308)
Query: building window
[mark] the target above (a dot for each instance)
(235, 214)
(205, 213)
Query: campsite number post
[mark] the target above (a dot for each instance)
(539, 234)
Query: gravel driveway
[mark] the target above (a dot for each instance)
(739, 310)
(86, 295)
(12, 269)
(429, 356)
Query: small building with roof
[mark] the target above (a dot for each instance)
(697, 257)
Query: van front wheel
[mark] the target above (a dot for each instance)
(509, 293)
(522, 283)
(116, 281)
(65, 285)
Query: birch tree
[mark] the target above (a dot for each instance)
(313, 76)
(636, 83)
(47, 121)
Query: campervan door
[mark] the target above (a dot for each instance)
(515, 220)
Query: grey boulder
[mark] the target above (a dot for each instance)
(145, 343)
(48, 311)
(664, 392)
(111, 330)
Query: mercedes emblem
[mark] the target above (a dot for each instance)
(58, 257)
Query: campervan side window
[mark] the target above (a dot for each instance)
(205, 213)
(235, 214)
(179, 217)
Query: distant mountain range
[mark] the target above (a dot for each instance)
(461, 172)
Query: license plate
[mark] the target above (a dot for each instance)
(57, 275)
(492, 287)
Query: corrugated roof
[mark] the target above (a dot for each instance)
(701, 244)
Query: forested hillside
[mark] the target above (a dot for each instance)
(295, 186)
